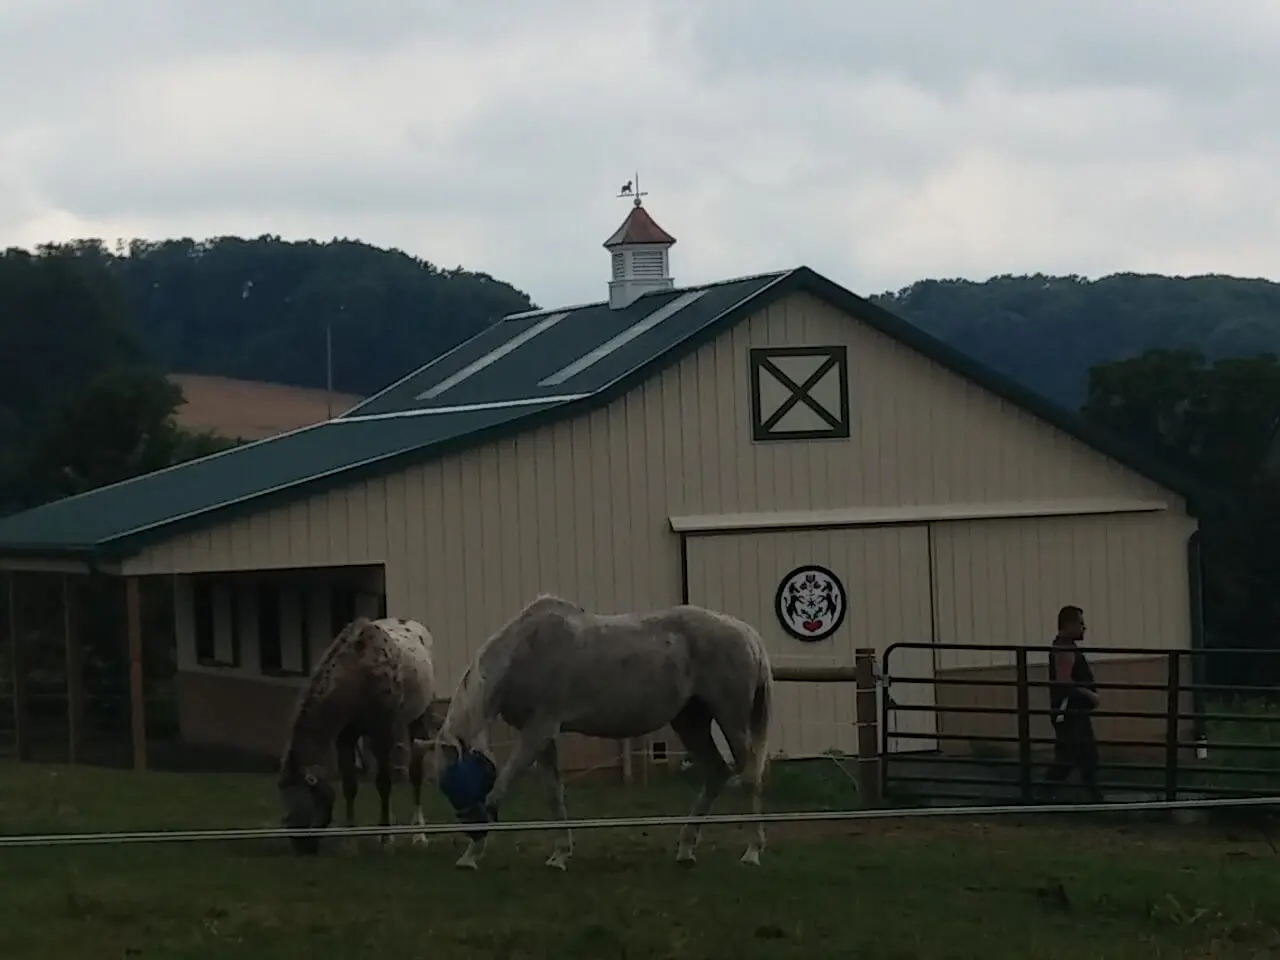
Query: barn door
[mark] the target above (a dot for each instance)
(816, 596)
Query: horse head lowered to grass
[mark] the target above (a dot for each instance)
(375, 680)
(556, 668)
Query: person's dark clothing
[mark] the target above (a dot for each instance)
(1064, 689)
(1074, 743)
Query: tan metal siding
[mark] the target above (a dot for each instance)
(885, 572)
(581, 507)
(1002, 581)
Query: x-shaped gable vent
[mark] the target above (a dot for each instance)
(799, 393)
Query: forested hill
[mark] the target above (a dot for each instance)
(1049, 331)
(257, 309)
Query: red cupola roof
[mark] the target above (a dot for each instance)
(639, 228)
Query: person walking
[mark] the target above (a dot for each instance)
(1073, 697)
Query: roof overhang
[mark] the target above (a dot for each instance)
(45, 560)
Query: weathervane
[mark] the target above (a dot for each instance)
(631, 189)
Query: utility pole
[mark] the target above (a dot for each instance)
(328, 363)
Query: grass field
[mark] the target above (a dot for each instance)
(890, 891)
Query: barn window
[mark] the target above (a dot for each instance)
(342, 607)
(305, 620)
(283, 630)
(269, 628)
(658, 751)
(293, 631)
(216, 619)
(202, 615)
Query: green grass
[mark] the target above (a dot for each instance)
(925, 890)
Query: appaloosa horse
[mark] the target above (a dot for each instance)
(556, 668)
(375, 680)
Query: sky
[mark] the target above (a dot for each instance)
(878, 141)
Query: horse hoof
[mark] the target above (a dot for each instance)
(752, 857)
(558, 861)
(421, 840)
(466, 862)
(686, 858)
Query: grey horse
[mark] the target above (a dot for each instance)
(555, 668)
(375, 679)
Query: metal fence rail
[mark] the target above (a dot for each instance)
(991, 750)
(11, 841)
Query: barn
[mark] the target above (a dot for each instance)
(773, 446)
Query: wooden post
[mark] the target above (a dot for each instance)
(75, 672)
(628, 751)
(137, 706)
(868, 726)
(17, 665)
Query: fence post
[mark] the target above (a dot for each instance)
(1174, 715)
(137, 705)
(628, 750)
(75, 670)
(868, 722)
(1024, 725)
(18, 667)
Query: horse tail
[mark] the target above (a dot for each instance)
(761, 714)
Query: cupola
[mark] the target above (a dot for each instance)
(638, 250)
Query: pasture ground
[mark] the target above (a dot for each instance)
(889, 890)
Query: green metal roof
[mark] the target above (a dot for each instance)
(526, 370)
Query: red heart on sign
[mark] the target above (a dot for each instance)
(813, 626)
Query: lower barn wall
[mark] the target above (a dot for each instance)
(252, 715)
(237, 712)
(259, 721)
(1150, 732)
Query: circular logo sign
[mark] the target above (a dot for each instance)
(810, 603)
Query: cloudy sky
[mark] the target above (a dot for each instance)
(878, 141)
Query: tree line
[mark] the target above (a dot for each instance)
(1217, 422)
(87, 335)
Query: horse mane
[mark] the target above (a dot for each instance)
(467, 716)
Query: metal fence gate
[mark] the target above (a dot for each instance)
(1162, 731)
